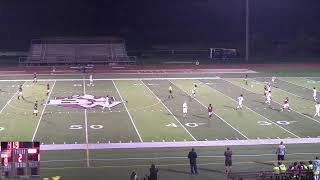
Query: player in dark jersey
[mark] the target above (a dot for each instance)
(246, 79)
(48, 89)
(20, 94)
(210, 110)
(35, 108)
(35, 77)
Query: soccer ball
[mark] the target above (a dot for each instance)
(251, 85)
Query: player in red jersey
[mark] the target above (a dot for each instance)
(35, 108)
(210, 110)
(48, 89)
(35, 77)
(20, 94)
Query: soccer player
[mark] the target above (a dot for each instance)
(184, 109)
(35, 108)
(246, 79)
(286, 105)
(193, 93)
(48, 89)
(91, 80)
(170, 92)
(107, 103)
(317, 109)
(268, 98)
(20, 94)
(240, 100)
(35, 77)
(273, 79)
(210, 110)
(315, 94)
(195, 87)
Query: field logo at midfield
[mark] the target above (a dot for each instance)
(85, 101)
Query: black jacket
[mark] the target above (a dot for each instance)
(192, 157)
(153, 174)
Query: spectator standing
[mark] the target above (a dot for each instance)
(133, 176)
(153, 172)
(228, 160)
(281, 151)
(193, 161)
(316, 168)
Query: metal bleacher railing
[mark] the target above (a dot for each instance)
(77, 51)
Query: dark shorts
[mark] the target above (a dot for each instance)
(280, 157)
(170, 92)
(228, 162)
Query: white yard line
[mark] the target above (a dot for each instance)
(125, 106)
(282, 79)
(11, 98)
(213, 113)
(281, 105)
(170, 112)
(255, 111)
(44, 108)
(86, 125)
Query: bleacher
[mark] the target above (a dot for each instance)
(264, 175)
(54, 51)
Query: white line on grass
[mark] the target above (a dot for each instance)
(11, 98)
(213, 113)
(174, 157)
(170, 112)
(281, 105)
(125, 106)
(44, 108)
(283, 79)
(86, 125)
(255, 111)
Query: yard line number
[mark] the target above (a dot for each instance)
(192, 125)
(79, 126)
(267, 123)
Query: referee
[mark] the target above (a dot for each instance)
(281, 151)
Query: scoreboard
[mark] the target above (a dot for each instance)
(20, 159)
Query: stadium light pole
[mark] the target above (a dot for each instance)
(247, 31)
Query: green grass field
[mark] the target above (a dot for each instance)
(146, 114)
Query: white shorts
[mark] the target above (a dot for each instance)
(48, 90)
(286, 106)
(35, 79)
(185, 110)
(20, 93)
(35, 111)
(210, 113)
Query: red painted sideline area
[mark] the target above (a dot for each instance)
(147, 68)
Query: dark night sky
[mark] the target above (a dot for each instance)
(155, 21)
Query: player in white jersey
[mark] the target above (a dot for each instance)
(91, 80)
(315, 94)
(317, 109)
(195, 86)
(184, 109)
(268, 98)
(107, 103)
(286, 104)
(170, 92)
(240, 100)
(273, 79)
(193, 93)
